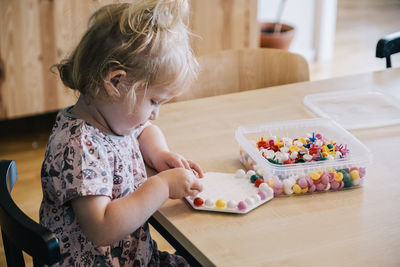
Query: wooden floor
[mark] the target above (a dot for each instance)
(360, 25)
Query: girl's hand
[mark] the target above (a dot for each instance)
(168, 160)
(181, 182)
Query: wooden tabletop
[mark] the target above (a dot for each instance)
(357, 227)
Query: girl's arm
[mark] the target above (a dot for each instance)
(105, 222)
(152, 141)
(156, 154)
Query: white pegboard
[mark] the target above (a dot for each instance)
(230, 189)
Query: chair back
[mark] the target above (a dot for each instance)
(230, 71)
(387, 46)
(19, 232)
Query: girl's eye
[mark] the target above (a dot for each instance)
(154, 103)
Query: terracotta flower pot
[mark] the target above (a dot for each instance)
(281, 40)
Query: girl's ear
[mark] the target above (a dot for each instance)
(113, 82)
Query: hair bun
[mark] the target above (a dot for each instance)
(65, 70)
(149, 17)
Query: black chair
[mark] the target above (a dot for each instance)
(387, 46)
(19, 232)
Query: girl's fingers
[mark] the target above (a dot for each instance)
(186, 164)
(181, 162)
(196, 168)
(176, 164)
(193, 193)
(196, 186)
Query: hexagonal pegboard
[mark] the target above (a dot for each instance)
(227, 192)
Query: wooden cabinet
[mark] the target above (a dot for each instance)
(35, 34)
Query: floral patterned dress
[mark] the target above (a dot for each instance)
(81, 160)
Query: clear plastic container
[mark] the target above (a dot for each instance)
(284, 177)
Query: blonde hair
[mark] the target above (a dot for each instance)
(148, 39)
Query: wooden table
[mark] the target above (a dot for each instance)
(354, 227)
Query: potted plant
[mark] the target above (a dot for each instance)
(276, 34)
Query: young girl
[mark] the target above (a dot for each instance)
(96, 197)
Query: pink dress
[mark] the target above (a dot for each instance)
(81, 160)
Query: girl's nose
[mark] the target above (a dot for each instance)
(154, 114)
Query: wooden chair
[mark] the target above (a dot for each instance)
(387, 46)
(231, 71)
(19, 232)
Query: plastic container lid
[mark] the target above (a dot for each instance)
(355, 109)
